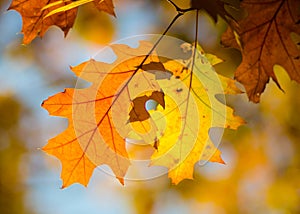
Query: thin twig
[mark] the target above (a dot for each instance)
(175, 5)
(180, 10)
(158, 41)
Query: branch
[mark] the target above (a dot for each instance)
(180, 10)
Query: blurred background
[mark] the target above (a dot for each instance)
(262, 171)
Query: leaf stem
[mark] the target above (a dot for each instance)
(189, 92)
(195, 47)
(192, 68)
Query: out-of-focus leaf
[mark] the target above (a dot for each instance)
(264, 38)
(70, 6)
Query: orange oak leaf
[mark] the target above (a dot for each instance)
(264, 38)
(34, 23)
(94, 135)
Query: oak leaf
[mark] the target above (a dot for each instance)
(94, 137)
(264, 38)
(103, 115)
(34, 21)
(191, 110)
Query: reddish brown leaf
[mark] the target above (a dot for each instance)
(34, 23)
(265, 40)
(106, 6)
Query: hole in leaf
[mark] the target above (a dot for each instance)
(151, 105)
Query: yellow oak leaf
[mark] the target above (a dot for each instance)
(191, 110)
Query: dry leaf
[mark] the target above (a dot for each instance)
(264, 38)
